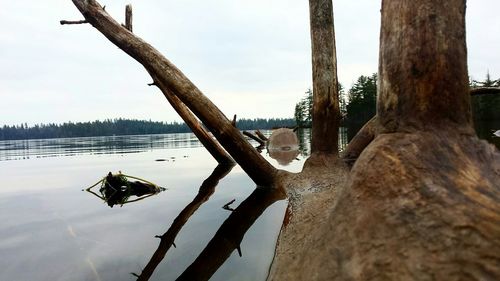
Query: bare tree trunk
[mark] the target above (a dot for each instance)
(326, 114)
(261, 171)
(423, 78)
(423, 200)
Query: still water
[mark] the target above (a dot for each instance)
(52, 230)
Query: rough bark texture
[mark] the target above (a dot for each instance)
(360, 141)
(422, 202)
(196, 127)
(326, 114)
(423, 66)
(169, 75)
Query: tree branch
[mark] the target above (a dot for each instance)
(360, 141)
(167, 74)
(63, 22)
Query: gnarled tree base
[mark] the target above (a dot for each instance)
(419, 206)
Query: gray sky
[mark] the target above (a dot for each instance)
(251, 58)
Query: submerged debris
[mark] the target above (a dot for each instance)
(116, 189)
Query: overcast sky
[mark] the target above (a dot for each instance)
(252, 58)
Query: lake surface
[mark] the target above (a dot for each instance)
(52, 230)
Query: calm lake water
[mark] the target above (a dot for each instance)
(52, 230)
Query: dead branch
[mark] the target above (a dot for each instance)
(168, 75)
(261, 135)
(227, 206)
(63, 22)
(233, 122)
(255, 138)
(128, 17)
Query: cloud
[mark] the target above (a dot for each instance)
(251, 57)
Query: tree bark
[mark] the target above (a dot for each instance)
(196, 127)
(326, 114)
(424, 86)
(261, 171)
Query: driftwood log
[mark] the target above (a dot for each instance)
(422, 201)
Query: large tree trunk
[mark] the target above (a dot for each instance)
(423, 199)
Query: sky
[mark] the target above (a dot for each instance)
(251, 58)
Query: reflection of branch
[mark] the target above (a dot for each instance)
(230, 234)
(167, 239)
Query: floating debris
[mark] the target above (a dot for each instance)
(116, 189)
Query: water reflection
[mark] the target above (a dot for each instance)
(207, 188)
(117, 189)
(41, 148)
(229, 236)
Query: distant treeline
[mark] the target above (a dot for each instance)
(122, 127)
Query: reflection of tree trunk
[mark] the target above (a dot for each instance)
(229, 236)
(167, 239)
(167, 74)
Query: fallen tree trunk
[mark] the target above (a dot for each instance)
(167, 74)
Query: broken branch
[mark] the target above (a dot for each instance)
(63, 22)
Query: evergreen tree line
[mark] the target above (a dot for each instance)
(485, 107)
(358, 105)
(120, 126)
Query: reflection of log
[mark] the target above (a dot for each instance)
(261, 171)
(325, 87)
(167, 239)
(360, 141)
(250, 135)
(230, 234)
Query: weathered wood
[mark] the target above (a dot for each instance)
(326, 114)
(261, 135)
(63, 22)
(255, 138)
(423, 200)
(196, 127)
(426, 86)
(128, 17)
(261, 171)
(167, 239)
(360, 141)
